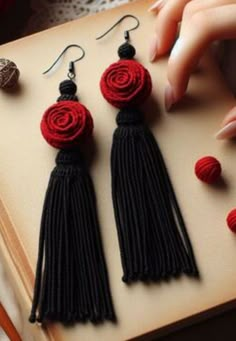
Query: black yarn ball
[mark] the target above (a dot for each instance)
(67, 87)
(126, 51)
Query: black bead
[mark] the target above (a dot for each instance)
(67, 87)
(126, 51)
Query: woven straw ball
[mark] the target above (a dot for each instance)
(9, 74)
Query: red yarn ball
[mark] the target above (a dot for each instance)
(231, 220)
(126, 83)
(66, 123)
(208, 169)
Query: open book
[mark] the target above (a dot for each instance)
(184, 135)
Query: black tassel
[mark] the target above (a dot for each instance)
(74, 283)
(153, 240)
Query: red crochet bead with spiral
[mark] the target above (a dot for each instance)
(66, 123)
(125, 84)
(231, 220)
(208, 169)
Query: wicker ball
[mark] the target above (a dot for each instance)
(9, 74)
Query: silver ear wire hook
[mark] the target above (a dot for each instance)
(71, 72)
(126, 32)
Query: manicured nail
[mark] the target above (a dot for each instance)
(177, 48)
(227, 131)
(169, 97)
(155, 6)
(230, 117)
(153, 49)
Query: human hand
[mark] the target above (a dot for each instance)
(202, 22)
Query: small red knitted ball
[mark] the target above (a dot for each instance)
(65, 124)
(208, 169)
(126, 83)
(231, 220)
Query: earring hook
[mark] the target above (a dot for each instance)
(71, 72)
(126, 33)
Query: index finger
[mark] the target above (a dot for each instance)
(166, 26)
(206, 26)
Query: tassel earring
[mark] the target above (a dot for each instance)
(71, 282)
(153, 239)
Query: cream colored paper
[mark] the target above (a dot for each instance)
(184, 135)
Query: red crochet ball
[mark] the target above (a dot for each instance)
(65, 124)
(208, 169)
(126, 83)
(231, 220)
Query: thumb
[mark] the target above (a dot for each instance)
(228, 129)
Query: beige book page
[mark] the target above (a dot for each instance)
(184, 135)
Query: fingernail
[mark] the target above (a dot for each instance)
(227, 131)
(155, 6)
(153, 49)
(230, 117)
(177, 48)
(169, 97)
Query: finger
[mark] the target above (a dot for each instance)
(169, 17)
(193, 7)
(166, 27)
(229, 126)
(231, 116)
(206, 26)
(157, 6)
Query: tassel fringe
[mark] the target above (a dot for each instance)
(153, 239)
(73, 286)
